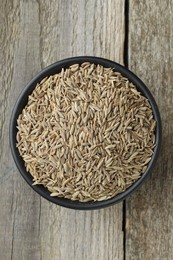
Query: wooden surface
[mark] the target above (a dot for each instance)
(149, 222)
(35, 34)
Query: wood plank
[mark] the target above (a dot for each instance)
(35, 34)
(149, 226)
(20, 210)
(83, 30)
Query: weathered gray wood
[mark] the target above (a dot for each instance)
(149, 227)
(20, 60)
(35, 34)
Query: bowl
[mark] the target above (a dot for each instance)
(22, 101)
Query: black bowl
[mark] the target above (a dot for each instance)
(22, 101)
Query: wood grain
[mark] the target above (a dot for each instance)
(35, 34)
(149, 224)
(20, 206)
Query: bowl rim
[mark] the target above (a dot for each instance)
(22, 100)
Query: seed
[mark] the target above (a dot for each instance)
(86, 133)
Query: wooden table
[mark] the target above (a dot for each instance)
(35, 34)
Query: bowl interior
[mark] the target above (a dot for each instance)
(22, 101)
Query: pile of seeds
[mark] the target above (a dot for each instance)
(86, 133)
